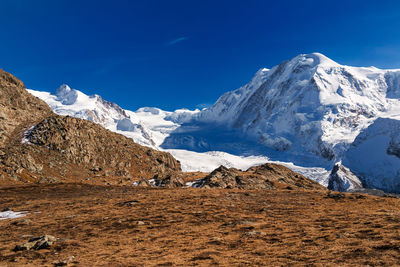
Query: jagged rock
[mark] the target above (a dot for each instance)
(342, 179)
(169, 180)
(39, 242)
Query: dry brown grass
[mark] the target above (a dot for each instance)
(190, 227)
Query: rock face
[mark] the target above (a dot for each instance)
(17, 108)
(37, 145)
(266, 176)
(223, 177)
(342, 179)
(102, 151)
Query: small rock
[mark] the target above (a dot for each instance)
(64, 262)
(254, 233)
(129, 203)
(335, 195)
(60, 263)
(21, 222)
(140, 223)
(39, 242)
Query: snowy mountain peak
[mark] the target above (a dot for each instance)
(63, 89)
(308, 107)
(312, 60)
(66, 95)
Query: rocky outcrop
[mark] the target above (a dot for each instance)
(18, 109)
(266, 176)
(223, 177)
(342, 179)
(169, 180)
(39, 242)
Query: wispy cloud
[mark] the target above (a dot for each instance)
(177, 40)
(203, 105)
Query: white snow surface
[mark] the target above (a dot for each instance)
(304, 113)
(4, 215)
(375, 155)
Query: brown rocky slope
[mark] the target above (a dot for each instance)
(38, 146)
(266, 176)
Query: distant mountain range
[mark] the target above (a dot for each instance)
(309, 112)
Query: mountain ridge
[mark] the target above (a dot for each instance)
(308, 110)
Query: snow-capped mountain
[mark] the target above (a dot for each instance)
(304, 113)
(147, 126)
(310, 105)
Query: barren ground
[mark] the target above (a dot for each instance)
(127, 226)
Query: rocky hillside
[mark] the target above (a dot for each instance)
(39, 146)
(266, 176)
(18, 109)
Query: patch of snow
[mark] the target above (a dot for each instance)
(5, 215)
(25, 138)
(208, 161)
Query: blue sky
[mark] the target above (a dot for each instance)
(173, 54)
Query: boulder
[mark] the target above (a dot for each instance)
(39, 242)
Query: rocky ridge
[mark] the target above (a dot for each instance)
(39, 146)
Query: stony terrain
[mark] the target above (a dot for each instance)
(131, 226)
